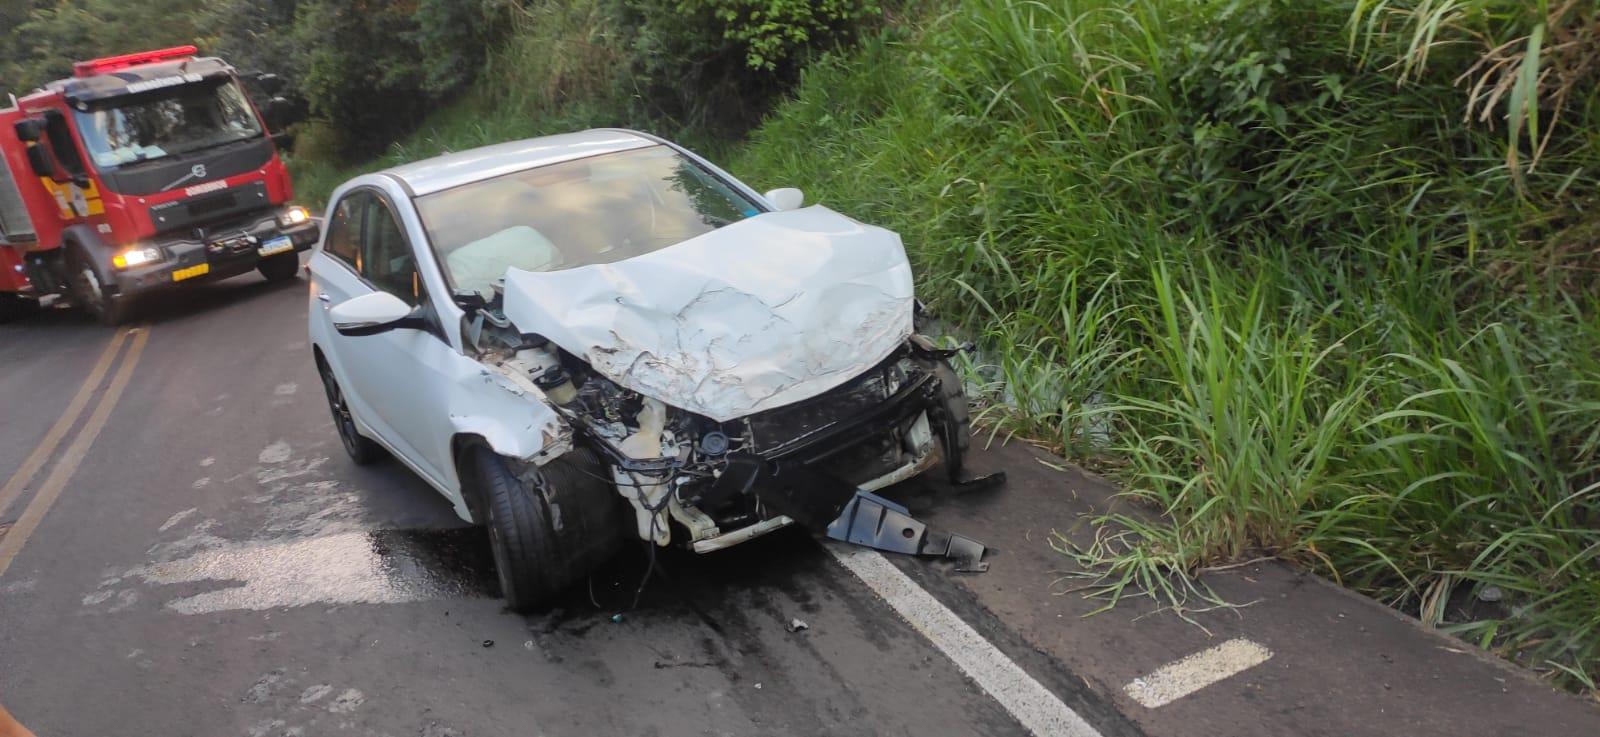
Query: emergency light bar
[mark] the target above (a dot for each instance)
(111, 63)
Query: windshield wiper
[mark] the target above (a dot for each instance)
(218, 144)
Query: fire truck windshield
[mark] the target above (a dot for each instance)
(172, 122)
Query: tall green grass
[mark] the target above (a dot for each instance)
(1299, 310)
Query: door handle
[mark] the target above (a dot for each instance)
(326, 300)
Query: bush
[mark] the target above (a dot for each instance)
(718, 65)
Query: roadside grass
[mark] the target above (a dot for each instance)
(1297, 309)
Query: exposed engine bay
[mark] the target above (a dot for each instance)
(708, 484)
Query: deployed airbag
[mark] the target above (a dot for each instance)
(478, 266)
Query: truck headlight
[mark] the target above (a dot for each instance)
(136, 257)
(294, 216)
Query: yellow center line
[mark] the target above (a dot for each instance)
(36, 459)
(74, 455)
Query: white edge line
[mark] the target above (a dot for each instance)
(1185, 676)
(1033, 705)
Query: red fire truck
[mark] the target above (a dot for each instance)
(138, 173)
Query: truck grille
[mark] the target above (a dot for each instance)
(212, 205)
(209, 209)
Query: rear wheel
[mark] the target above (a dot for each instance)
(362, 449)
(93, 296)
(548, 526)
(281, 267)
(13, 307)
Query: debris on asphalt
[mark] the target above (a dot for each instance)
(488, 643)
(875, 522)
(527, 645)
(795, 625)
(616, 618)
(758, 686)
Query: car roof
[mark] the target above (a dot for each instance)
(453, 170)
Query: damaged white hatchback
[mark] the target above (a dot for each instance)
(587, 338)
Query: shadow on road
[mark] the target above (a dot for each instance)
(237, 293)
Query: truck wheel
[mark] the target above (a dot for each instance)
(362, 450)
(13, 307)
(89, 294)
(953, 420)
(548, 526)
(281, 267)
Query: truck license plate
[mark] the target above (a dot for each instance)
(276, 246)
(191, 272)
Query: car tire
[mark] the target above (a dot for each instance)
(90, 295)
(549, 526)
(362, 449)
(281, 267)
(953, 418)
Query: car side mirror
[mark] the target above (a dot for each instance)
(374, 313)
(787, 198)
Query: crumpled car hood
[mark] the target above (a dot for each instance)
(762, 313)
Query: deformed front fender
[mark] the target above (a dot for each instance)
(506, 412)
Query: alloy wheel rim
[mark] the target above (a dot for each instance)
(341, 413)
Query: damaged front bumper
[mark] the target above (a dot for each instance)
(814, 475)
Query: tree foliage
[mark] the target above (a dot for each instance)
(369, 70)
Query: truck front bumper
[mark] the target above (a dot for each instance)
(221, 254)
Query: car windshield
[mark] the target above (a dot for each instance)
(174, 121)
(595, 210)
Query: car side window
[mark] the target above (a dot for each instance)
(344, 230)
(387, 259)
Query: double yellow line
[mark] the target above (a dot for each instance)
(56, 481)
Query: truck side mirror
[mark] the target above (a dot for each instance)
(29, 129)
(269, 83)
(275, 112)
(43, 164)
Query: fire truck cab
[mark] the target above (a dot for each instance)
(138, 173)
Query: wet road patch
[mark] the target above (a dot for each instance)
(375, 567)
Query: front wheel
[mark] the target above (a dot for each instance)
(281, 267)
(91, 295)
(548, 526)
(953, 418)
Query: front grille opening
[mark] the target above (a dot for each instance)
(200, 208)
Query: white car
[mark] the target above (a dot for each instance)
(586, 338)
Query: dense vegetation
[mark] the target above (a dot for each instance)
(1314, 279)
(1302, 309)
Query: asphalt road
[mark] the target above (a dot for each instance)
(186, 550)
(204, 560)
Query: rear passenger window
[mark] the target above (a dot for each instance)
(344, 230)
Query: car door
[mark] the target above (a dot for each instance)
(396, 381)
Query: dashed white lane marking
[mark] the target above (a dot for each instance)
(1039, 710)
(1180, 678)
